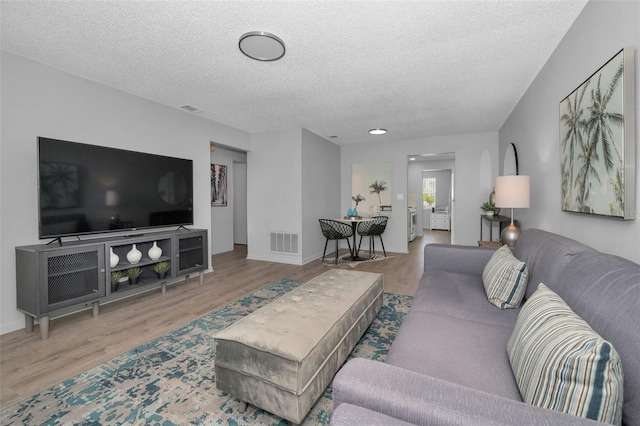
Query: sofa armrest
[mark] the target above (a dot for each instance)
(423, 400)
(456, 258)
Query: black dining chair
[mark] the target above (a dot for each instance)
(334, 230)
(372, 229)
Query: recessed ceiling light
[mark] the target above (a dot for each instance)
(261, 46)
(412, 158)
(377, 131)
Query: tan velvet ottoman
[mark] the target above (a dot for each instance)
(283, 356)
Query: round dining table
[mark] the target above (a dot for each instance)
(354, 221)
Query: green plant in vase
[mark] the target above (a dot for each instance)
(115, 279)
(489, 208)
(134, 274)
(161, 269)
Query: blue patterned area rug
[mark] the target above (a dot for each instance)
(353, 264)
(171, 379)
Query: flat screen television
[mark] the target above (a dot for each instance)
(87, 189)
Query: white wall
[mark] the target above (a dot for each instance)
(239, 202)
(320, 191)
(475, 165)
(293, 177)
(274, 191)
(38, 100)
(222, 217)
(601, 30)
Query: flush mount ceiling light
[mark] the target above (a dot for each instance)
(377, 131)
(261, 46)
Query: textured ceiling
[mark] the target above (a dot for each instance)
(416, 68)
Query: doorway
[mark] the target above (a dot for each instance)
(430, 183)
(229, 220)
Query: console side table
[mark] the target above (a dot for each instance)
(503, 221)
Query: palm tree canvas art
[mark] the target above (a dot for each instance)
(373, 180)
(597, 142)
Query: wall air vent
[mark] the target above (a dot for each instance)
(285, 242)
(189, 108)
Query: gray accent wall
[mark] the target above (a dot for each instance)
(602, 29)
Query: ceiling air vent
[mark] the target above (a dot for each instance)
(189, 108)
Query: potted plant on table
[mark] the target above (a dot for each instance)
(354, 212)
(134, 274)
(161, 269)
(489, 208)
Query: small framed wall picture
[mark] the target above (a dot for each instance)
(219, 193)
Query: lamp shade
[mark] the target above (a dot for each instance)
(512, 191)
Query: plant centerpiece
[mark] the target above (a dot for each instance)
(489, 208)
(356, 198)
(161, 269)
(134, 274)
(115, 280)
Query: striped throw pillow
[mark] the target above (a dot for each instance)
(505, 279)
(562, 364)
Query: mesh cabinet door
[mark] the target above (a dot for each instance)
(192, 252)
(72, 276)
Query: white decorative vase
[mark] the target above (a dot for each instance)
(114, 259)
(490, 213)
(134, 255)
(154, 252)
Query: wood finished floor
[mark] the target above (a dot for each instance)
(79, 342)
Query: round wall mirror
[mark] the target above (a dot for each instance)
(172, 188)
(510, 165)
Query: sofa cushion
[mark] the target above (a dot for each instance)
(561, 363)
(461, 296)
(505, 279)
(465, 352)
(546, 255)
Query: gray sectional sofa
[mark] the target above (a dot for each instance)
(448, 364)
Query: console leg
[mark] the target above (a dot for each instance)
(163, 286)
(96, 309)
(28, 323)
(201, 278)
(44, 327)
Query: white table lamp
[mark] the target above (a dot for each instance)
(512, 192)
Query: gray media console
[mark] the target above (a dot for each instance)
(54, 280)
